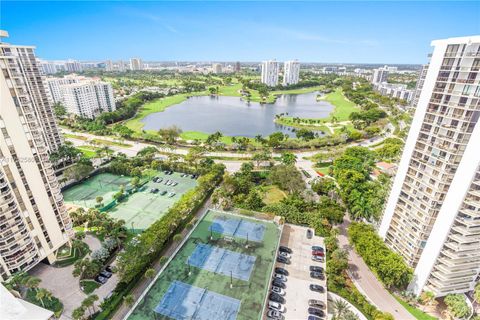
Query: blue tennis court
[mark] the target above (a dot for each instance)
(222, 261)
(238, 228)
(183, 301)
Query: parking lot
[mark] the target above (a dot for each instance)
(297, 291)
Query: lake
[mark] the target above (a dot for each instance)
(234, 117)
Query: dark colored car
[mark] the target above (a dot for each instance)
(318, 248)
(316, 304)
(277, 298)
(281, 271)
(317, 288)
(318, 253)
(154, 190)
(105, 274)
(279, 283)
(316, 312)
(309, 234)
(285, 249)
(317, 275)
(100, 279)
(281, 259)
(109, 269)
(316, 269)
(310, 317)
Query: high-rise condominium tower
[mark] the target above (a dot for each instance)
(291, 72)
(432, 217)
(22, 59)
(270, 73)
(136, 64)
(33, 219)
(380, 75)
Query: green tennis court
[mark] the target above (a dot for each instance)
(143, 208)
(250, 293)
(104, 185)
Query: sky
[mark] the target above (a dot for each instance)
(329, 32)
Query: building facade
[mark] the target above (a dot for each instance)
(73, 66)
(22, 60)
(395, 90)
(85, 97)
(136, 64)
(34, 223)
(419, 86)
(291, 73)
(270, 73)
(216, 68)
(432, 217)
(380, 75)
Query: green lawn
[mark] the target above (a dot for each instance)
(88, 151)
(272, 194)
(251, 293)
(74, 136)
(72, 256)
(111, 143)
(417, 313)
(343, 107)
(89, 286)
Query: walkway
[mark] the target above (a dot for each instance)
(367, 283)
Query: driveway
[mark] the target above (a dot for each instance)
(367, 283)
(64, 286)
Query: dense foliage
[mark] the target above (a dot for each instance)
(457, 305)
(389, 267)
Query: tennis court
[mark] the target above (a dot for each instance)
(238, 228)
(143, 208)
(183, 301)
(222, 261)
(104, 185)
(204, 263)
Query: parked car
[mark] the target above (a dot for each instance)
(174, 183)
(109, 269)
(105, 274)
(316, 312)
(166, 182)
(170, 172)
(281, 259)
(154, 190)
(171, 194)
(309, 234)
(318, 253)
(279, 283)
(316, 269)
(317, 275)
(317, 258)
(155, 179)
(193, 176)
(274, 314)
(100, 279)
(280, 277)
(284, 254)
(276, 298)
(276, 306)
(310, 317)
(318, 248)
(278, 290)
(166, 171)
(285, 249)
(164, 192)
(316, 303)
(281, 271)
(317, 288)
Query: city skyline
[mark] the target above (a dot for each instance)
(198, 32)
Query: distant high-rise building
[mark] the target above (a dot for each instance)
(291, 72)
(216, 68)
(136, 64)
(34, 223)
(419, 86)
(380, 75)
(86, 97)
(108, 65)
(432, 217)
(237, 66)
(48, 67)
(73, 66)
(270, 73)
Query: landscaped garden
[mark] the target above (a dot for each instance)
(248, 284)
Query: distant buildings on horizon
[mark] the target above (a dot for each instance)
(270, 72)
(395, 90)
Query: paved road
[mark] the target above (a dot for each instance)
(367, 283)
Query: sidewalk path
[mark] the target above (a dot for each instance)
(367, 283)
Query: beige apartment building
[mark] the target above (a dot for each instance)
(432, 217)
(33, 218)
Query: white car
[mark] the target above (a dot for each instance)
(278, 290)
(274, 314)
(280, 277)
(285, 254)
(276, 306)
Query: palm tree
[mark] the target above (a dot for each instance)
(178, 237)
(31, 282)
(78, 313)
(129, 300)
(89, 302)
(428, 299)
(150, 273)
(43, 294)
(340, 307)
